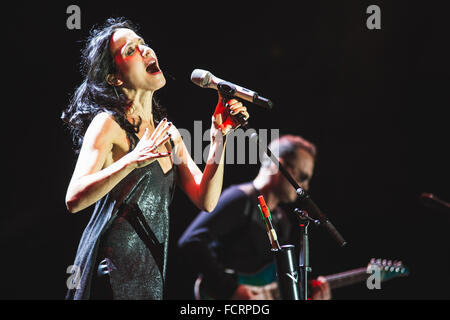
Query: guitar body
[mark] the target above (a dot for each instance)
(267, 276)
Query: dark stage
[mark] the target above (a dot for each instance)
(373, 101)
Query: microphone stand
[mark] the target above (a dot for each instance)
(227, 93)
(303, 264)
(305, 219)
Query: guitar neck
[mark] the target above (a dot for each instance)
(347, 278)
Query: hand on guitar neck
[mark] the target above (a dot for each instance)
(320, 289)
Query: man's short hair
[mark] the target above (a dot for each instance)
(285, 147)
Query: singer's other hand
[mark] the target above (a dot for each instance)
(146, 150)
(225, 114)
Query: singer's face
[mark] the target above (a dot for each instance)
(301, 168)
(137, 63)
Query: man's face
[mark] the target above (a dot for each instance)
(301, 168)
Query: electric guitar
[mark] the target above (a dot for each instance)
(265, 285)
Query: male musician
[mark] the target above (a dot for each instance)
(232, 238)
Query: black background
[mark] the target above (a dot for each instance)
(373, 101)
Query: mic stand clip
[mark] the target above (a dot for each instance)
(304, 267)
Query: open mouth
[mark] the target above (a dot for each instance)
(153, 67)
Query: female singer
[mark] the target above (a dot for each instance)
(126, 166)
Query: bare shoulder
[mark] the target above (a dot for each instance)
(105, 121)
(103, 129)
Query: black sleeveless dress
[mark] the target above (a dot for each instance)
(124, 247)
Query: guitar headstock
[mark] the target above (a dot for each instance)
(389, 269)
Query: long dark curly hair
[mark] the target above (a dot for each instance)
(95, 95)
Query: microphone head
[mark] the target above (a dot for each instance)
(426, 195)
(201, 77)
(430, 200)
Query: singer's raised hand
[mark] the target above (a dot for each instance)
(225, 115)
(146, 151)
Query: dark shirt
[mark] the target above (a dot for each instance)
(233, 236)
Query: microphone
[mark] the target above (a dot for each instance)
(206, 79)
(430, 200)
(267, 217)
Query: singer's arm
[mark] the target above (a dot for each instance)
(203, 188)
